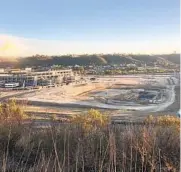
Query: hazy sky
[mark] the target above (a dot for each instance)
(94, 26)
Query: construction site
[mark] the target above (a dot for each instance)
(63, 90)
(136, 93)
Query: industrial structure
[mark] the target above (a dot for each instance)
(35, 78)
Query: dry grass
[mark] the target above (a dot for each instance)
(90, 143)
(11, 112)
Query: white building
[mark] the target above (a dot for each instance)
(30, 78)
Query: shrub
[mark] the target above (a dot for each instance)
(93, 120)
(165, 121)
(11, 112)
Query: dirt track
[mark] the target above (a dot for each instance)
(176, 105)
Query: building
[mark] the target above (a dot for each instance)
(36, 78)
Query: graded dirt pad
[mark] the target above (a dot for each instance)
(64, 93)
(81, 95)
(71, 93)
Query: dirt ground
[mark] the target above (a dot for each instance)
(42, 112)
(81, 92)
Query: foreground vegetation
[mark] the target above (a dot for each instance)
(88, 143)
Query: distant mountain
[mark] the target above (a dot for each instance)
(101, 59)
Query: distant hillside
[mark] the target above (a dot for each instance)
(8, 61)
(66, 60)
(174, 58)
